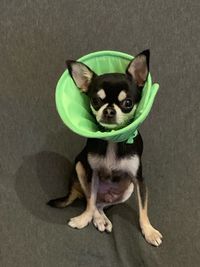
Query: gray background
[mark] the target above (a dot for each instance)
(37, 150)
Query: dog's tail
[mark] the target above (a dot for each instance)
(75, 192)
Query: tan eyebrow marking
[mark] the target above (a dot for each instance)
(122, 95)
(101, 93)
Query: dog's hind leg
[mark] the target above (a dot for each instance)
(75, 192)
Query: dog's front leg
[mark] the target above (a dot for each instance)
(91, 194)
(151, 235)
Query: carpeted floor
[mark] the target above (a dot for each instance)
(37, 150)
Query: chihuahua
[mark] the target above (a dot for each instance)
(105, 172)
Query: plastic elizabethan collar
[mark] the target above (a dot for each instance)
(73, 105)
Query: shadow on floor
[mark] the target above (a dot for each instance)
(46, 175)
(41, 177)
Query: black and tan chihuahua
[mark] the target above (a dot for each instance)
(106, 172)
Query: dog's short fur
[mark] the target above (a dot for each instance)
(107, 172)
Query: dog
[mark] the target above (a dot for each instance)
(105, 172)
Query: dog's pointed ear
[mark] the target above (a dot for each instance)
(81, 74)
(138, 68)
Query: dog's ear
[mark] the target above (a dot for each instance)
(138, 68)
(81, 74)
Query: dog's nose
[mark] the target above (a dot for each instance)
(109, 112)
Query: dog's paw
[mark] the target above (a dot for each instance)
(99, 222)
(80, 221)
(152, 235)
(102, 223)
(108, 224)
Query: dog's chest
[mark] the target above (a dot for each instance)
(110, 162)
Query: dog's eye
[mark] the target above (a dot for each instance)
(127, 103)
(96, 101)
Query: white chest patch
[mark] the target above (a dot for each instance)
(111, 162)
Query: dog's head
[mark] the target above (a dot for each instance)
(113, 96)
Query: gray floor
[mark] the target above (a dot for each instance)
(37, 150)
